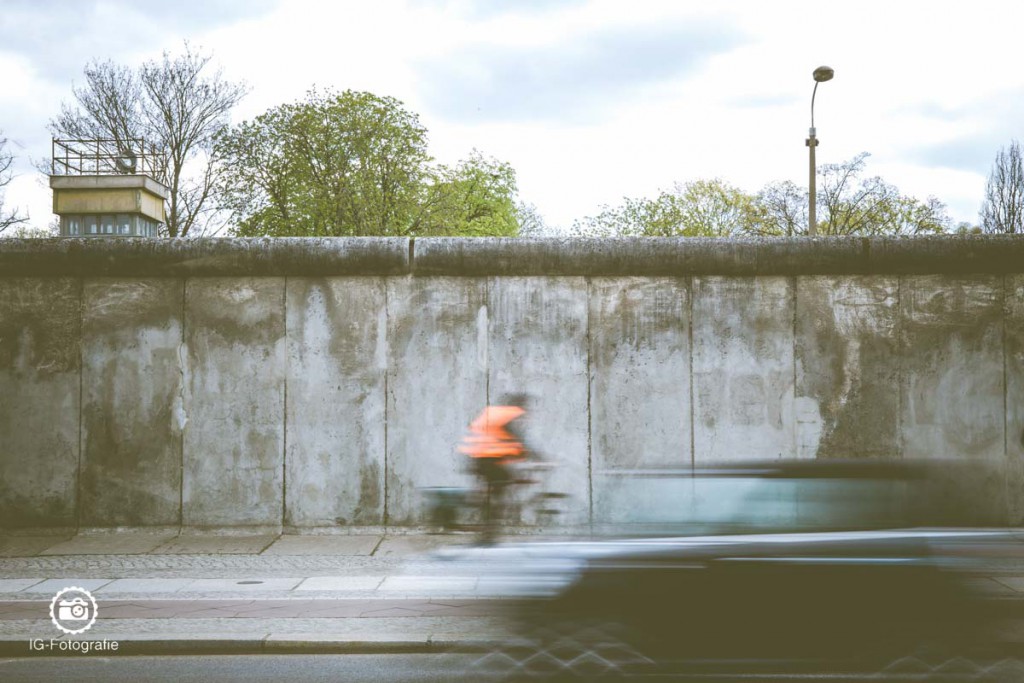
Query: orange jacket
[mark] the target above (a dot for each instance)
(487, 436)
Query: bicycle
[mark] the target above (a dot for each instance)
(454, 508)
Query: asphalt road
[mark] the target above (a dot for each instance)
(396, 668)
(429, 668)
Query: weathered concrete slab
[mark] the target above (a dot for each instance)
(1014, 358)
(215, 544)
(114, 543)
(953, 386)
(337, 362)
(132, 412)
(263, 442)
(27, 546)
(420, 544)
(40, 401)
(847, 367)
(743, 371)
(233, 461)
(323, 545)
(437, 383)
(639, 383)
(952, 355)
(538, 331)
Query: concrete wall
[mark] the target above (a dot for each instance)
(312, 384)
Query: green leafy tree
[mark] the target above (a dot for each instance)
(354, 163)
(701, 208)
(1003, 209)
(176, 104)
(336, 164)
(849, 204)
(476, 197)
(965, 228)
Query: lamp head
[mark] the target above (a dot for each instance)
(823, 73)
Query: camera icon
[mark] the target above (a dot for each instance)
(75, 609)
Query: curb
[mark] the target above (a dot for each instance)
(247, 646)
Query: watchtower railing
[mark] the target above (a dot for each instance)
(106, 156)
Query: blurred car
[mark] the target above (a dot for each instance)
(824, 569)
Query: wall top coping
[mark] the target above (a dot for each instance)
(454, 256)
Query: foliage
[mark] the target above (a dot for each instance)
(349, 164)
(473, 198)
(8, 217)
(1003, 208)
(354, 163)
(178, 106)
(702, 208)
(848, 203)
(531, 222)
(870, 206)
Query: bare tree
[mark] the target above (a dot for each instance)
(178, 106)
(853, 205)
(783, 210)
(8, 217)
(1003, 209)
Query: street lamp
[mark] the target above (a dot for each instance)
(821, 74)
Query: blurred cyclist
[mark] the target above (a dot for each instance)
(493, 443)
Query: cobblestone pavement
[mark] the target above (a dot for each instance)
(139, 566)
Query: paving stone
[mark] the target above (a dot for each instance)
(51, 586)
(420, 544)
(215, 544)
(165, 585)
(15, 585)
(323, 545)
(428, 584)
(27, 546)
(340, 583)
(114, 543)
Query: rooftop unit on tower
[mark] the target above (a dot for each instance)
(107, 188)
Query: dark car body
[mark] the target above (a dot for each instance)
(811, 593)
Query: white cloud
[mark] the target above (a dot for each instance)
(928, 88)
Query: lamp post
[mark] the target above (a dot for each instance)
(821, 74)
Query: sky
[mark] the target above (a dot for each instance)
(589, 100)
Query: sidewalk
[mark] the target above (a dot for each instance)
(164, 593)
(161, 593)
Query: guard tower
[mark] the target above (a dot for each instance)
(107, 188)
